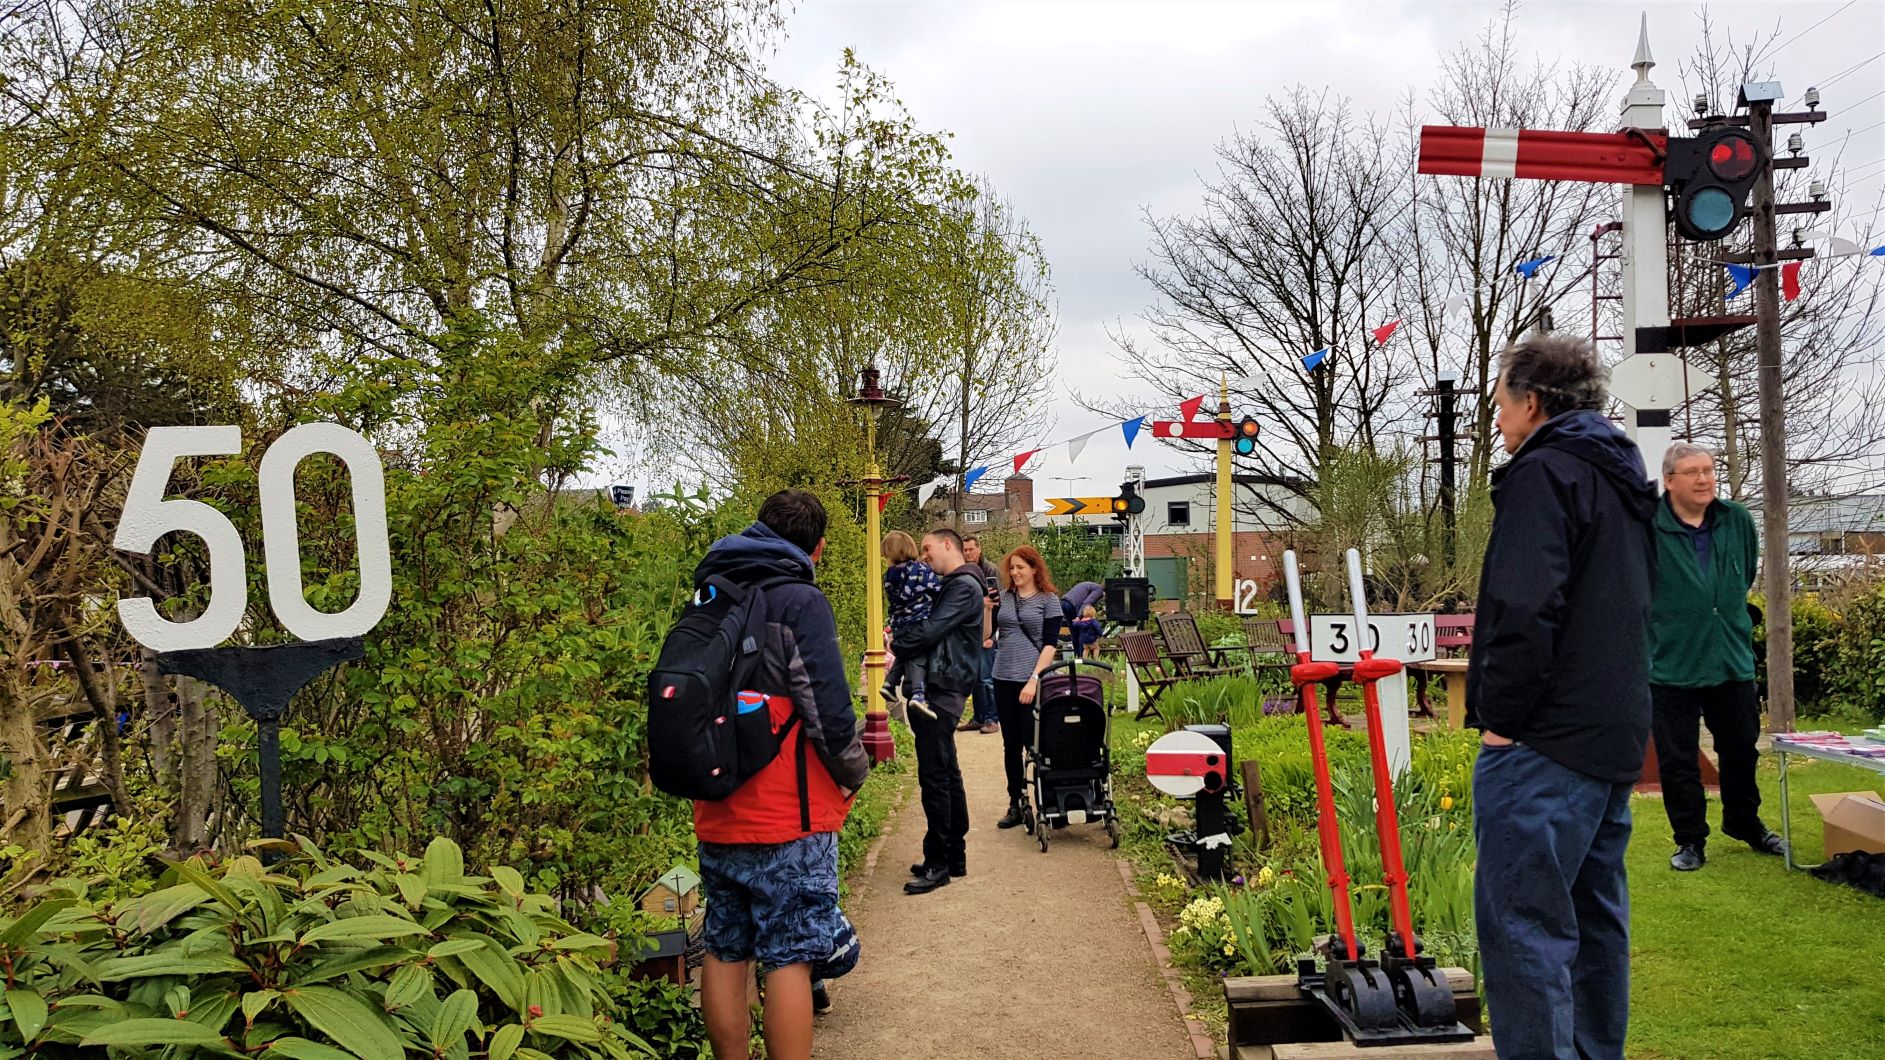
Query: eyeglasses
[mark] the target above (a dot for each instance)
(1700, 474)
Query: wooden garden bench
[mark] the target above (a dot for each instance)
(1287, 628)
(1452, 642)
(1186, 647)
(1153, 672)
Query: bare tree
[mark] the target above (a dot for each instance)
(1291, 253)
(1465, 236)
(1830, 336)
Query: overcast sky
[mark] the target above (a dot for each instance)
(1085, 113)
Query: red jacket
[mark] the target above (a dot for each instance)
(766, 808)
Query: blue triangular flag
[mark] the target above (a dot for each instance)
(1313, 361)
(1132, 428)
(1527, 268)
(969, 480)
(1742, 276)
(1877, 252)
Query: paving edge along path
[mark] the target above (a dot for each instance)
(1202, 1043)
(1043, 955)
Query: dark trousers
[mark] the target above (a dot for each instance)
(939, 779)
(1552, 906)
(1733, 714)
(985, 702)
(1017, 726)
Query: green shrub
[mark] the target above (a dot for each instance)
(308, 958)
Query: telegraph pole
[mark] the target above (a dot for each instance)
(1778, 574)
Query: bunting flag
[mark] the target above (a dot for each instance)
(1189, 408)
(883, 501)
(969, 480)
(1528, 268)
(1877, 252)
(1841, 248)
(1454, 303)
(1742, 275)
(1132, 429)
(1076, 446)
(1381, 333)
(1314, 360)
(1023, 458)
(928, 490)
(1790, 280)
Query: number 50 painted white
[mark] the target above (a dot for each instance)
(148, 516)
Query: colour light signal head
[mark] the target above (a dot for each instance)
(1244, 442)
(1710, 176)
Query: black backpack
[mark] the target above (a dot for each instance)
(699, 744)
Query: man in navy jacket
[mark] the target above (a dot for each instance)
(1559, 686)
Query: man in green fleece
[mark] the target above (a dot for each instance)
(1702, 668)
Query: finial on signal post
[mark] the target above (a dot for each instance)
(1643, 60)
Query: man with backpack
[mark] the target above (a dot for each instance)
(951, 640)
(750, 715)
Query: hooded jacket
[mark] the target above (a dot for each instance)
(1704, 634)
(801, 670)
(1561, 644)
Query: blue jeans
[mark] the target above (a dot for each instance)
(985, 707)
(1552, 906)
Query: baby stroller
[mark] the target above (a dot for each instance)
(1069, 759)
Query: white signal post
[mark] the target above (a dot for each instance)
(1645, 268)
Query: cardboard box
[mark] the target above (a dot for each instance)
(1853, 820)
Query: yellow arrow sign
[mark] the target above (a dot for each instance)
(1079, 506)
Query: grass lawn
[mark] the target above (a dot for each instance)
(1744, 959)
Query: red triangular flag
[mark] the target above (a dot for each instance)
(883, 501)
(1189, 409)
(1023, 458)
(1790, 280)
(1381, 333)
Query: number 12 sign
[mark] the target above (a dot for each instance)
(148, 516)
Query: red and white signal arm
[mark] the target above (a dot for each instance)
(1633, 157)
(1184, 763)
(1213, 430)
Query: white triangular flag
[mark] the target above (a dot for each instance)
(928, 490)
(1074, 447)
(1840, 248)
(1454, 303)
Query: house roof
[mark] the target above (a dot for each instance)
(1864, 513)
(680, 879)
(1239, 480)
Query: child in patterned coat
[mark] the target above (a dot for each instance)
(910, 589)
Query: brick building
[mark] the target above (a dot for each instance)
(1012, 508)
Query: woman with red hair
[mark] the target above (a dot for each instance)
(1026, 621)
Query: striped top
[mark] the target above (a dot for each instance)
(1019, 623)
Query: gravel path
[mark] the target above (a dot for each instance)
(1031, 954)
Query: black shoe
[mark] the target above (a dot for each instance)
(1013, 818)
(927, 882)
(1767, 843)
(956, 871)
(821, 998)
(1688, 858)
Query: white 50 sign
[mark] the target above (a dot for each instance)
(148, 517)
(1406, 638)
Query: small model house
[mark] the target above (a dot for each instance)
(675, 894)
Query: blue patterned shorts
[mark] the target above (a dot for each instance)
(777, 902)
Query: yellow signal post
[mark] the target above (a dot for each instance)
(1226, 527)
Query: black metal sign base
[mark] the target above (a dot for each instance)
(263, 680)
(1385, 1022)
